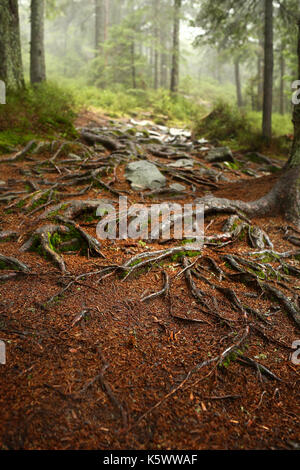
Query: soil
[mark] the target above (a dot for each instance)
(85, 383)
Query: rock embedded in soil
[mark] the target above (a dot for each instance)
(221, 154)
(144, 175)
(178, 187)
(182, 163)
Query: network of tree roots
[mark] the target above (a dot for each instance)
(143, 344)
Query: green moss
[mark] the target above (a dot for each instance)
(180, 254)
(21, 204)
(232, 357)
(53, 214)
(3, 265)
(188, 241)
(242, 235)
(41, 201)
(90, 216)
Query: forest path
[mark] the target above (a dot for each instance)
(94, 360)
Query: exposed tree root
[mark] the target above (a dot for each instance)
(107, 142)
(8, 262)
(259, 367)
(163, 292)
(74, 208)
(216, 360)
(93, 245)
(42, 237)
(21, 154)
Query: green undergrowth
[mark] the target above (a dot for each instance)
(63, 243)
(39, 112)
(241, 130)
(157, 105)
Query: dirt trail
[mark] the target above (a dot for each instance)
(206, 364)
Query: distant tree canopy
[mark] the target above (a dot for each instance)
(140, 44)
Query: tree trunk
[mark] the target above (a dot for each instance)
(106, 19)
(259, 82)
(284, 197)
(156, 43)
(37, 49)
(176, 47)
(99, 23)
(163, 60)
(11, 69)
(238, 82)
(281, 91)
(268, 71)
(133, 68)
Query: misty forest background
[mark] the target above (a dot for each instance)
(176, 60)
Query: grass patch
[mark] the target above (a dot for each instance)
(119, 101)
(241, 129)
(36, 113)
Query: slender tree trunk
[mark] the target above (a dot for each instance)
(176, 47)
(11, 68)
(163, 61)
(37, 48)
(284, 197)
(106, 19)
(156, 43)
(268, 71)
(281, 92)
(133, 68)
(238, 82)
(259, 99)
(98, 25)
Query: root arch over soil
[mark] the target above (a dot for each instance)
(150, 338)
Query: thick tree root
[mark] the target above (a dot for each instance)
(246, 276)
(92, 138)
(9, 262)
(261, 369)
(74, 208)
(163, 292)
(42, 237)
(94, 246)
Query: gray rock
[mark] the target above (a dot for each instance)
(178, 187)
(182, 163)
(221, 154)
(144, 175)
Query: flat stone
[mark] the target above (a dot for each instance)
(182, 163)
(221, 154)
(178, 187)
(144, 175)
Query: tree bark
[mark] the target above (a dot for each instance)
(284, 197)
(133, 68)
(282, 73)
(176, 47)
(163, 60)
(99, 25)
(11, 68)
(37, 48)
(106, 19)
(238, 82)
(268, 71)
(259, 99)
(156, 43)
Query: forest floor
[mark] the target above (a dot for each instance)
(90, 363)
